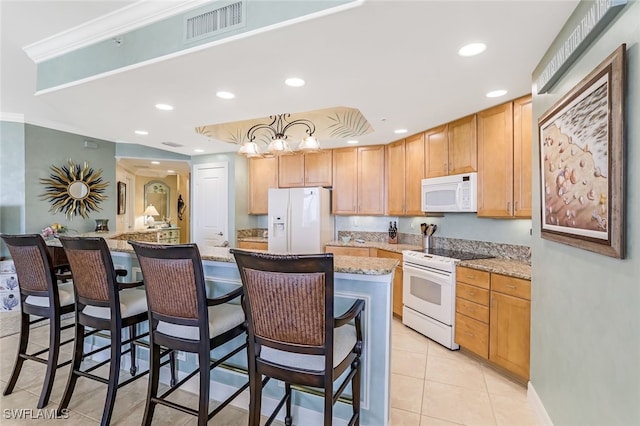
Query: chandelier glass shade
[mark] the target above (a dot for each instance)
(277, 133)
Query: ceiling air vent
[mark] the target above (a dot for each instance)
(215, 21)
(172, 144)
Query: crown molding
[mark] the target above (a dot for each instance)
(128, 18)
(12, 117)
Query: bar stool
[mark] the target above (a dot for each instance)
(42, 297)
(293, 334)
(181, 317)
(103, 304)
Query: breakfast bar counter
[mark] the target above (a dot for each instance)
(355, 278)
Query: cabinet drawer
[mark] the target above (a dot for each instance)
(473, 276)
(347, 251)
(472, 335)
(254, 245)
(474, 294)
(512, 286)
(473, 310)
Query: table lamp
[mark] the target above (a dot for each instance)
(149, 213)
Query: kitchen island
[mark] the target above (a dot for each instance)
(355, 277)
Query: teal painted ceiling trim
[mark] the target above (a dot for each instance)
(167, 37)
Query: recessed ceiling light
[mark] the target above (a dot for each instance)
(164, 107)
(155, 162)
(472, 49)
(398, 131)
(171, 171)
(496, 93)
(141, 132)
(294, 82)
(225, 95)
(198, 150)
(352, 142)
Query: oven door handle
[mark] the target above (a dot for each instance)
(423, 269)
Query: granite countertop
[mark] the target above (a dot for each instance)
(254, 239)
(344, 264)
(510, 267)
(397, 248)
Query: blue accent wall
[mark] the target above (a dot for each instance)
(12, 180)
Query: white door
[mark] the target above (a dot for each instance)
(210, 204)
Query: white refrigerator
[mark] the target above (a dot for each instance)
(299, 220)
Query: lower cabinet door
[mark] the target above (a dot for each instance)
(472, 335)
(510, 332)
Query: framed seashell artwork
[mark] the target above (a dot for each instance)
(582, 146)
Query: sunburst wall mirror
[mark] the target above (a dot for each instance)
(74, 189)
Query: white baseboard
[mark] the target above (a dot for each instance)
(538, 408)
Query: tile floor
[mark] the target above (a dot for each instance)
(430, 385)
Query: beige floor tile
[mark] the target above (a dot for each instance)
(437, 349)
(408, 363)
(457, 404)
(433, 421)
(411, 342)
(398, 327)
(458, 371)
(497, 384)
(404, 418)
(512, 409)
(406, 393)
(19, 408)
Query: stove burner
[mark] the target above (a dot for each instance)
(454, 254)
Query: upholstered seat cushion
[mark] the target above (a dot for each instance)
(344, 339)
(65, 292)
(132, 302)
(221, 318)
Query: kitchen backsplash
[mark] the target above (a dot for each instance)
(251, 232)
(505, 251)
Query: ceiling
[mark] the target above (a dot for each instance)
(394, 61)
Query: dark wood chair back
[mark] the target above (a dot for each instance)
(33, 264)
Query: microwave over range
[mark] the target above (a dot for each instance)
(454, 193)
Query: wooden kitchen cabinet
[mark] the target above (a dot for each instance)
(351, 251)
(522, 139)
(359, 189)
(305, 169)
(510, 324)
(405, 170)
(472, 310)
(253, 245)
(493, 318)
(263, 174)
(397, 280)
(504, 170)
(451, 148)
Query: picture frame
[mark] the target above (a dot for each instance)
(122, 198)
(582, 168)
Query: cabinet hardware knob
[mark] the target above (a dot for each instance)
(508, 206)
(515, 206)
(512, 287)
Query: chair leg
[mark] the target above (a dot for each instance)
(78, 355)
(203, 400)
(355, 390)
(173, 365)
(154, 379)
(132, 334)
(114, 370)
(255, 395)
(328, 402)
(288, 420)
(52, 360)
(25, 328)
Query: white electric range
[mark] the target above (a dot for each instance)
(429, 292)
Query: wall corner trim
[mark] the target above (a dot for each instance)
(13, 117)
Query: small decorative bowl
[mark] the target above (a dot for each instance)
(346, 239)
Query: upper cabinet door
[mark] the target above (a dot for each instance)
(345, 181)
(291, 171)
(413, 174)
(263, 174)
(318, 168)
(396, 177)
(522, 140)
(436, 152)
(495, 161)
(371, 178)
(463, 153)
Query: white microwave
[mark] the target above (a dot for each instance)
(454, 193)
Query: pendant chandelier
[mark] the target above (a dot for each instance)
(277, 133)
